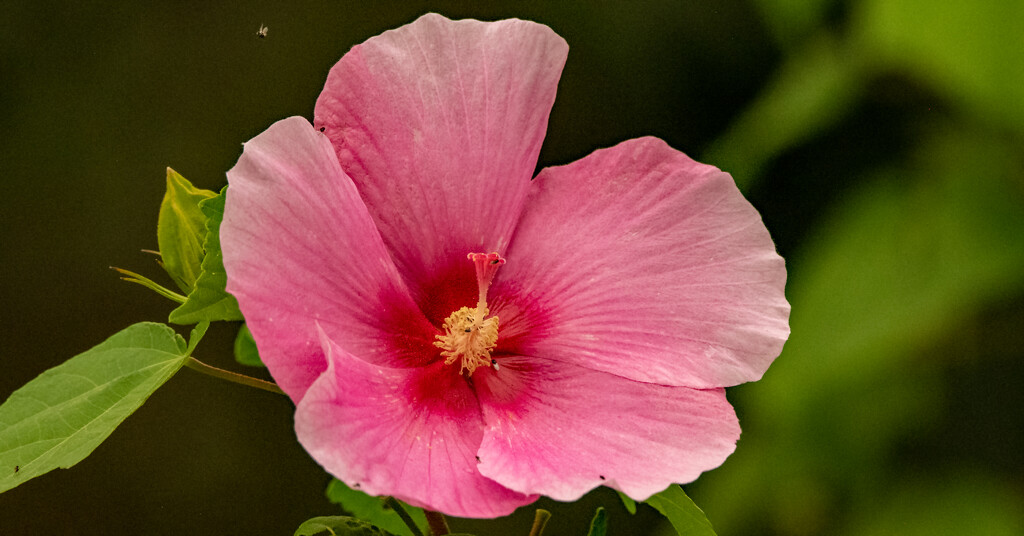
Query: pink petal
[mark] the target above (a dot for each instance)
(299, 247)
(412, 433)
(560, 430)
(639, 261)
(439, 124)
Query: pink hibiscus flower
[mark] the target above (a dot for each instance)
(638, 282)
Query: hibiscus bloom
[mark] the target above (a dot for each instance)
(587, 340)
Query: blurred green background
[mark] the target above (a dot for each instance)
(880, 139)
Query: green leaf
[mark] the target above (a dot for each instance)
(245, 348)
(627, 501)
(60, 417)
(373, 510)
(685, 516)
(208, 300)
(599, 525)
(181, 229)
(338, 526)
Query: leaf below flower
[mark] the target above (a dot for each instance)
(338, 526)
(686, 517)
(59, 418)
(372, 509)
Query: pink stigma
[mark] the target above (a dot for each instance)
(487, 265)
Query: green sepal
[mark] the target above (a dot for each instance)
(139, 279)
(195, 336)
(627, 501)
(339, 526)
(246, 352)
(599, 525)
(685, 516)
(208, 300)
(372, 509)
(60, 417)
(181, 230)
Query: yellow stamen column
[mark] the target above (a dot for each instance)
(469, 335)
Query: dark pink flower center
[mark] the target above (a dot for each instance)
(469, 334)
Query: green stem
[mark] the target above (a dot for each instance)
(540, 520)
(393, 504)
(438, 524)
(199, 366)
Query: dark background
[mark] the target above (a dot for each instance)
(880, 139)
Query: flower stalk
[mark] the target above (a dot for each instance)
(234, 377)
(438, 523)
(393, 504)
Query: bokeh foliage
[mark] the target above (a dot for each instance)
(899, 269)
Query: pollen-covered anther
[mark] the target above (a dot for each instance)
(469, 334)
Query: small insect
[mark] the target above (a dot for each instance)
(494, 363)
(262, 32)
(17, 468)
